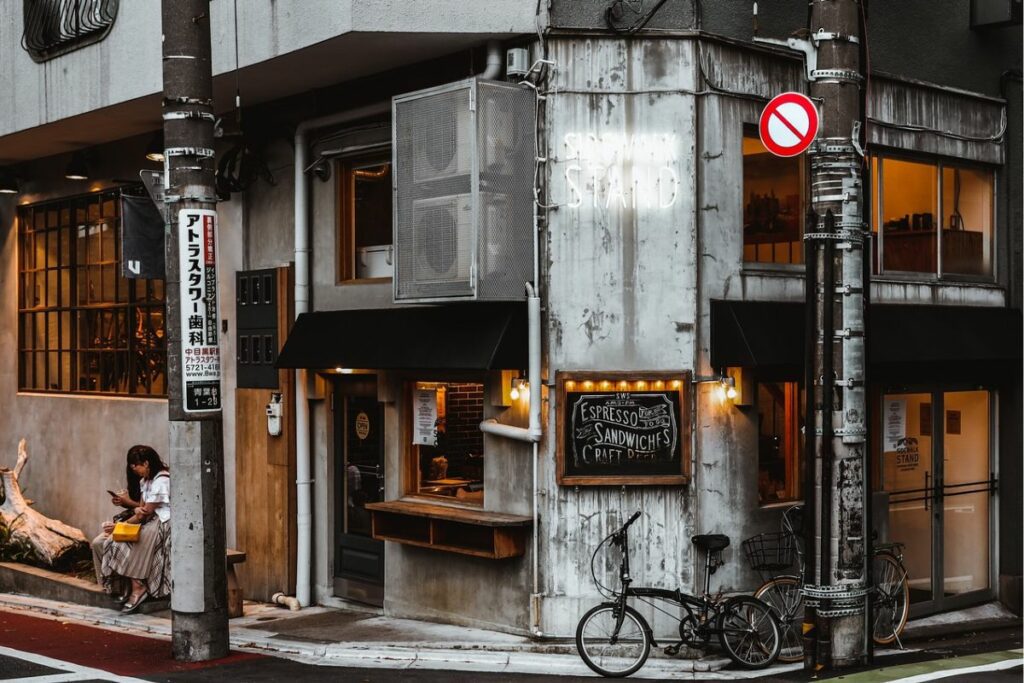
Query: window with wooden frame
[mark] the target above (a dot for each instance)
(936, 217)
(773, 221)
(779, 445)
(445, 447)
(82, 327)
(364, 219)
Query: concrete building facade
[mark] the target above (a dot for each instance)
(668, 252)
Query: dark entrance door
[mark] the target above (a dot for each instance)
(359, 479)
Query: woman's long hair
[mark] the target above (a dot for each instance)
(146, 454)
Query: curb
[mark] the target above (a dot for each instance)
(471, 657)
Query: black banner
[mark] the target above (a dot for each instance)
(142, 239)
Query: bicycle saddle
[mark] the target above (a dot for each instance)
(711, 542)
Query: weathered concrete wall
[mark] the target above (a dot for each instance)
(78, 442)
(621, 287)
(126, 65)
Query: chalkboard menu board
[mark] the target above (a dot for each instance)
(623, 428)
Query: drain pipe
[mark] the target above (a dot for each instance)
(303, 469)
(493, 69)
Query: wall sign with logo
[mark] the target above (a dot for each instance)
(617, 428)
(200, 350)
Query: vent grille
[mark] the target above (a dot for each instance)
(54, 27)
(463, 164)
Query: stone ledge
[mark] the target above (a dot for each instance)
(49, 585)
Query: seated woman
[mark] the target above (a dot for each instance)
(129, 498)
(147, 562)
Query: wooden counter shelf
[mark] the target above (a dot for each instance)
(480, 533)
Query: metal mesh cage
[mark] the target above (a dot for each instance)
(463, 169)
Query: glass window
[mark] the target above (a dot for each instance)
(915, 231)
(446, 457)
(82, 327)
(779, 446)
(365, 229)
(772, 215)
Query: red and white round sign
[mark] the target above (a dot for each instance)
(789, 124)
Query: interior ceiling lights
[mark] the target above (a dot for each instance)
(8, 183)
(78, 168)
(155, 148)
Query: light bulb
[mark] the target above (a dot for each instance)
(514, 393)
(720, 392)
(730, 393)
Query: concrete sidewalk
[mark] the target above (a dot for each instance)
(340, 637)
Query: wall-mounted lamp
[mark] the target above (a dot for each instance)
(8, 182)
(520, 389)
(78, 168)
(726, 385)
(155, 148)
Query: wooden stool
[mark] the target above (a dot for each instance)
(234, 590)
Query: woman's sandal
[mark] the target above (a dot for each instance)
(132, 605)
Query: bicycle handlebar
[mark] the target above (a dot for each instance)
(636, 516)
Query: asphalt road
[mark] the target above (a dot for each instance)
(33, 648)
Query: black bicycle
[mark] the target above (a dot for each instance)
(615, 640)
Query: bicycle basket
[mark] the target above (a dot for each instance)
(769, 552)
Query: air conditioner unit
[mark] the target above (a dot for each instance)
(463, 163)
(442, 229)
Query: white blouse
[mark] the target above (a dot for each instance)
(158, 491)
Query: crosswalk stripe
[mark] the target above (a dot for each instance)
(76, 672)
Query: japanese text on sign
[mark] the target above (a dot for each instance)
(200, 353)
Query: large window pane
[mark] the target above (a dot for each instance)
(98, 333)
(779, 443)
(449, 460)
(772, 215)
(909, 226)
(967, 221)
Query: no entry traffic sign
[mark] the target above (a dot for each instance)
(788, 124)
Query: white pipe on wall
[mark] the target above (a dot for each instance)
(493, 69)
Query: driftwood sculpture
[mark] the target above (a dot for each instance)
(52, 540)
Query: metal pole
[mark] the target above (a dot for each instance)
(837, 296)
(199, 596)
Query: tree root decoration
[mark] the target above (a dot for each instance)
(50, 539)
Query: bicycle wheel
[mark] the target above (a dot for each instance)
(607, 651)
(748, 632)
(891, 597)
(783, 595)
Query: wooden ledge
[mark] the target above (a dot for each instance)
(467, 531)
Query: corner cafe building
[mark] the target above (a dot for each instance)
(468, 455)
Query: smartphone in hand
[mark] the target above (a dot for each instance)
(112, 494)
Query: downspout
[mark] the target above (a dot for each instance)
(303, 477)
(493, 69)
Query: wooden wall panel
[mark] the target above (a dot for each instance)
(265, 477)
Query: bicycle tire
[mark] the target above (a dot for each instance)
(891, 597)
(604, 657)
(749, 632)
(784, 597)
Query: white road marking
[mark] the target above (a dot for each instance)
(982, 668)
(76, 672)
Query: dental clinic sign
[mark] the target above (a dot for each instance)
(200, 353)
(615, 170)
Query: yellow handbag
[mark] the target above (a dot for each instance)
(125, 532)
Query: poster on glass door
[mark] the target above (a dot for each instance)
(895, 424)
(200, 352)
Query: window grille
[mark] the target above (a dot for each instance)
(54, 27)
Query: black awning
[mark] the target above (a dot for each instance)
(454, 337)
(948, 339)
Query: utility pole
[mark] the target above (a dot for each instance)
(199, 595)
(837, 249)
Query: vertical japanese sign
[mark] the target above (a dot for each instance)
(200, 353)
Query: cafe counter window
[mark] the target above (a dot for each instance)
(446, 456)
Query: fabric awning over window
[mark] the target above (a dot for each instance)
(909, 341)
(474, 336)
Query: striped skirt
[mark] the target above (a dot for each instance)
(148, 559)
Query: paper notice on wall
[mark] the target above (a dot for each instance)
(424, 418)
(895, 423)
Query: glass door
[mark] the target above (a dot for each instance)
(936, 468)
(908, 475)
(359, 479)
(966, 489)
